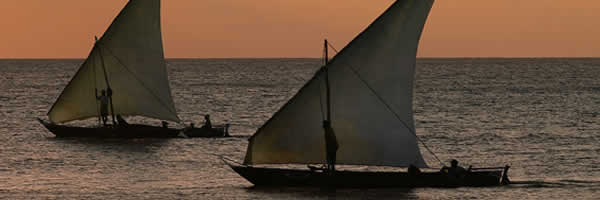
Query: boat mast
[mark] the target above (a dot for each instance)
(328, 95)
(109, 92)
(330, 166)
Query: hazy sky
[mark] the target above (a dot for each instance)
(296, 28)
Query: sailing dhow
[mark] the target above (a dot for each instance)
(127, 65)
(365, 94)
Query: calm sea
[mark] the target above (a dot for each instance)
(541, 116)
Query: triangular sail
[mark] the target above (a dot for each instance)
(375, 69)
(132, 52)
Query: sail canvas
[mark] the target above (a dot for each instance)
(372, 82)
(131, 54)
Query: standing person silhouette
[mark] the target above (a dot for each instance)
(331, 145)
(103, 98)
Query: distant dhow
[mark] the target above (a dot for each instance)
(124, 75)
(364, 95)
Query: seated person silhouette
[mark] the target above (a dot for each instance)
(207, 123)
(121, 121)
(455, 171)
(413, 170)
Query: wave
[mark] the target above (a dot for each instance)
(563, 183)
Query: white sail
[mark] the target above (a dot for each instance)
(371, 81)
(131, 51)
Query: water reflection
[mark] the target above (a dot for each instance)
(142, 146)
(332, 193)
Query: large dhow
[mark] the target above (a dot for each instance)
(361, 101)
(124, 75)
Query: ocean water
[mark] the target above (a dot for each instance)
(541, 116)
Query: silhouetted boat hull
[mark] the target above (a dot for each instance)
(354, 179)
(206, 132)
(127, 131)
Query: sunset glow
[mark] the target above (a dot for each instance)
(276, 28)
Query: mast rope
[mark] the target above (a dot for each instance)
(389, 107)
(320, 91)
(141, 83)
(109, 90)
(96, 94)
(321, 101)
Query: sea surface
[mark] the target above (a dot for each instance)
(541, 116)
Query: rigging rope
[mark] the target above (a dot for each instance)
(320, 89)
(389, 107)
(109, 90)
(142, 83)
(96, 93)
(321, 101)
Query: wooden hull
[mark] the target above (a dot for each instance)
(352, 179)
(127, 131)
(206, 132)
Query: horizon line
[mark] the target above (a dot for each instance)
(419, 57)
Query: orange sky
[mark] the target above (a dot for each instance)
(296, 28)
